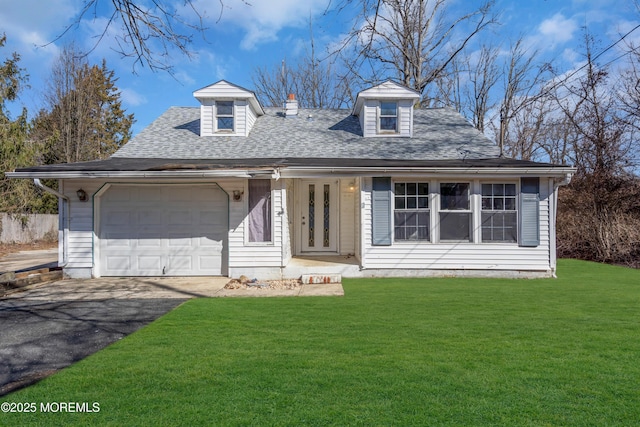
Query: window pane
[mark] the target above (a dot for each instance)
(400, 203)
(487, 190)
(455, 226)
(454, 196)
(423, 189)
(412, 188)
(400, 188)
(510, 204)
(499, 227)
(510, 189)
(224, 108)
(412, 202)
(498, 204)
(259, 210)
(225, 123)
(498, 189)
(423, 202)
(388, 123)
(486, 203)
(388, 109)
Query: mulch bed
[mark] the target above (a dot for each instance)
(245, 283)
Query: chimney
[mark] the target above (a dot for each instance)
(291, 106)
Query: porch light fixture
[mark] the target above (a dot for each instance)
(82, 195)
(352, 186)
(237, 195)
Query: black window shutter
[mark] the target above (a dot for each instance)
(381, 211)
(529, 212)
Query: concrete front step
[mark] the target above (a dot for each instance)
(311, 279)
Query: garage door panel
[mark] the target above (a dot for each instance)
(148, 242)
(155, 230)
(118, 263)
(149, 263)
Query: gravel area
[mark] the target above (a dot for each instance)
(244, 282)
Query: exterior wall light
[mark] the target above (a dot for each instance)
(82, 195)
(237, 195)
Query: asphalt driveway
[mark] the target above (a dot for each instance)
(50, 326)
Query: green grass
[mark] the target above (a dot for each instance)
(390, 352)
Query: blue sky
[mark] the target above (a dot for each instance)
(265, 32)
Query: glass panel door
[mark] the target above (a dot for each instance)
(318, 216)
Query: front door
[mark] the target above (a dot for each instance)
(319, 216)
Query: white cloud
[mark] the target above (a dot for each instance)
(132, 98)
(558, 29)
(262, 20)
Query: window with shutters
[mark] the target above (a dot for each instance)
(411, 211)
(499, 213)
(455, 212)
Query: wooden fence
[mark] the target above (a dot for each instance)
(28, 228)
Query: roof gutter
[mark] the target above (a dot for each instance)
(142, 174)
(66, 219)
(559, 172)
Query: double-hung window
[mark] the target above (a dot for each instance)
(224, 116)
(499, 213)
(388, 117)
(455, 212)
(411, 211)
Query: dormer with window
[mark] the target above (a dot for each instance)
(227, 109)
(386, 110)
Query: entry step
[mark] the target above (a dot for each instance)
(317, 279)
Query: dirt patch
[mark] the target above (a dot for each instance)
(245, 283)
(10, 248)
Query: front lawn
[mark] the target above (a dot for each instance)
(390, 352)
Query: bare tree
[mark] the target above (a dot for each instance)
(523, 81)
(150, 30)
(314, 82)
(414, 40)
(482, 77)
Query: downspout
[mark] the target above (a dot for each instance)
(557, 184)
(66, 219)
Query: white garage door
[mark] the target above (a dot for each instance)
(155, 230)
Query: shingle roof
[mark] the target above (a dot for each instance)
(439, 134)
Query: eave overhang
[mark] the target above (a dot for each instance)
(289, 168)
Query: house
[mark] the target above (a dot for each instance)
(230, 188)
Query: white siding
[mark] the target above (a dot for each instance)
(405, 118)
(222, 89)
(241, 252)
(347, 216)
(369, 118)
(80, 249)
(456, 256)
(251, 119)
(240, 111)
(207, 116)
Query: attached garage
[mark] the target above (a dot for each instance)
(158, 229)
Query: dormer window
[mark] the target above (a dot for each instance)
(224, 116)
(388, 118)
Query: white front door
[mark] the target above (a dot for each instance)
(319, 215)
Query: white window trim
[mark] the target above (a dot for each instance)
(246, 217)
(233, 115)
(479, 215)
(430, 209)
(379, 117)
(471, 210)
